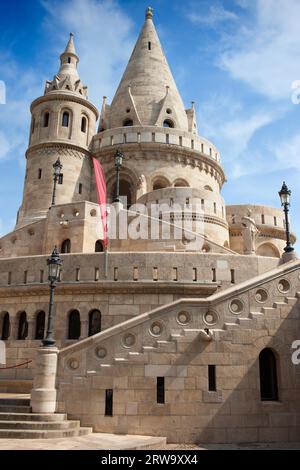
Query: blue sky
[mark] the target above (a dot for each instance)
(237, 59)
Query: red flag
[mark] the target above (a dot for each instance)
(102, 197)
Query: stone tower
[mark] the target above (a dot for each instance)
(62, 126)
(166, 160)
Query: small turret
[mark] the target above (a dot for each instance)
(67, 78)
(63, 125)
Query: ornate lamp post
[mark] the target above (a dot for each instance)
(57, 166)
(54, 264)
(118, 163)
(285, 195)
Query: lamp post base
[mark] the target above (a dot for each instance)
(43, 394)
(289, 256)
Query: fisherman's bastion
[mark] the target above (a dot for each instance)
(190, 336)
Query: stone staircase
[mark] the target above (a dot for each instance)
(187, 335)
(17, 422)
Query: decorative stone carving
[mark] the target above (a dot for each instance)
(141, 186)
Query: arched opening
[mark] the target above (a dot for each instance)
(83, 124)
(99, 246)
(65, 119)
(160, 183)
(74, 326)
(94, 322)
(268, 375)
(40, 325)
(69, 60)
(128, 123)
(268, 249)
(32, 124)
(181, 183)
(168, 123)
(66, 246)
(5, 331)
(208, 188)
(46, 119)
(125, 191)
(23, 326)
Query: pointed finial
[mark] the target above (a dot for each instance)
(149, 13)
(193, 105)
(70, 46)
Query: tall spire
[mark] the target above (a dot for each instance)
(67, 78)
(147, 77)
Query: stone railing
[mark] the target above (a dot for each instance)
(137, 134)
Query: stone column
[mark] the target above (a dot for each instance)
(84, 327)
(43, 394)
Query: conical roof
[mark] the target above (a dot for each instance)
(147, 94)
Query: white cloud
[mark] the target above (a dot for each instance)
(226, 120)
(215, 15)
(288, 152)
(103, 40)
(264, 52)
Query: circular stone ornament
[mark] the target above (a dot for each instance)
(183, 318)
(210, 318)
(128, 340)
(100, 352)
(156, 328)
(236, 306)
(283, 286)
(261, 295)
(73, 363)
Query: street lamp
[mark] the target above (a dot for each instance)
(54, 264)
(285, 195)
(57, 166)
(118, 163)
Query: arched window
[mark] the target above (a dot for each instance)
(83, 124)
(32, 124)
(65, 119)
(160, 183)
(98, 246)
(268, 375)
(125, 191)
(40, 325)
(94, 322)
(128, 123)
(74, 326)
(5, 327)
(23, 326)
(69, 60)
(46, 119)
(168, 123)
(66, 246)
(181, 183)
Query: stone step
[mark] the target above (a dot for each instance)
(280, 304)
(14, 409)
(291, 300)
(15, 401)
(166, 346)
(268, 309)
(149, 349)
(42, 434)
(120, 360)
(37, 425)
(246, 322)
(256, 315)
(230, 326)
(32, 417)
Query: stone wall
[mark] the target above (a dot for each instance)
(178, 342)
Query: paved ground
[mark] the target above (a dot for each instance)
(101, 441)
